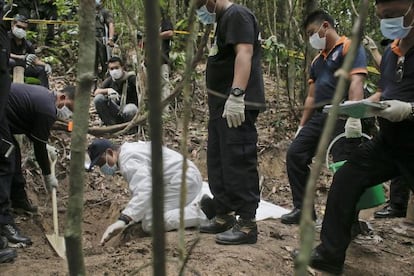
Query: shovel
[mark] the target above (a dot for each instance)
(57, 242)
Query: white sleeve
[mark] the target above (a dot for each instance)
(141, 189)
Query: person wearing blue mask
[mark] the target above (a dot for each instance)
(236, 97)
(133, 160)
(390, 153)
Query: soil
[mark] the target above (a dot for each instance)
(388, 250)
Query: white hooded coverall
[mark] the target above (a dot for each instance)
(135, 165)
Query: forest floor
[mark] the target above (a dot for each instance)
(389, 250)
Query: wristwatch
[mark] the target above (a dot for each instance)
(124, 218)
(237, 92)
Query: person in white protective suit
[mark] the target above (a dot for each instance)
(134, 162)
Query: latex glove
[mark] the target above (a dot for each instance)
(297, 131)
(353, 128)
(113, 95)
(234, 111)
(30, 58)
(48, 69)
(50, 181)
(396, 111)
(52, 152)
(369, 43)
(113, 230)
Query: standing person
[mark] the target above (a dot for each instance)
(134, 162)
(32, 110)
(233, 75)
(117, 100)
(166, 34)
(105, 31)
(23, 53)
(399, 192)
(6, 142)
(390, 153)
(319, 27)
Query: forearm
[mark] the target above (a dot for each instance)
(242, 69)
(307, 110)
(356, 88)
(42, 157)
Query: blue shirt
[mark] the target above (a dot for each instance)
(324, 66)
(391, 89)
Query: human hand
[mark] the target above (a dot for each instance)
(30, 58)
(110, 43)
(234, 111)
(50, 181)
(52, 152)
(353, 128)
(369, 43)
(396, 111)
(112, 230)
(48, 68)
(297, 131)
(113, 95)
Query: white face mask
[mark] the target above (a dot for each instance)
(64, 113)
(319, 43)
(116, 74)
(19, 32)
(393, 28)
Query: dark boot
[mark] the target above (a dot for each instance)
(7, 255)
(294, 216)
(218, 224)
(12, 233)
(243, 232)
(319, 262)
(23, 204)
(390, 212)
(208, 207)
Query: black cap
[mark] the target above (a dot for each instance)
(96, 149)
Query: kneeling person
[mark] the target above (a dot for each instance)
(134, 162)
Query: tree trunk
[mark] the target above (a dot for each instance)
(152, 22)
(73, 232)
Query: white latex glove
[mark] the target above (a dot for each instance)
(113, 95)
(297, 131)
(234, 111)
(52, 152)
(369, 43)
(396, 111)
(353, 128)
(48, 69)
(50, 181)
(30, 58)
(113, 230)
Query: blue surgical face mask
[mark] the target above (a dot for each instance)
(206, 17)
(108, 170)
(393, 28)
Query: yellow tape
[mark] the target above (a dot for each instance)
(42, 21)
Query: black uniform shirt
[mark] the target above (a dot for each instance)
(26, 47)
(117, 85)
(237, 25)
(31, 110)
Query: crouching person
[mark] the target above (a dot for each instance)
(134, 162)
(117, 100)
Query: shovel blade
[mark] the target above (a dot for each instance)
(58, 244)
